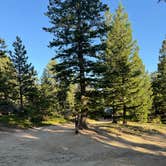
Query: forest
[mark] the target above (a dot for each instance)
(95, 102)
(96, 70)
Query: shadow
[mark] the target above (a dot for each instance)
(59, 144)
(133, 130)
(117, 137)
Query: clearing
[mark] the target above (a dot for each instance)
(104, 145)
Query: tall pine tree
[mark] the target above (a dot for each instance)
(77, 27)
(119, 48)
(7, 73)
(141, 90)
(160, 84)
(49, 87)
(25, 73)
(124, 80)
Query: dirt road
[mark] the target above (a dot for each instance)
(58, 146)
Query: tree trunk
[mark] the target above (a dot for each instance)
(21, 100)
(82, 121)
(114, 119)
(76, 124)
(124, 115)
(83, 115)
(20, 92)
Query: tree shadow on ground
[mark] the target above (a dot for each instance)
(113, 136)
(130, 129)
(59, 144)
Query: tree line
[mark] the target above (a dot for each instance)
(96, 66)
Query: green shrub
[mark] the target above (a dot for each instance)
(156, 120)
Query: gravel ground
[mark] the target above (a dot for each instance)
(59, 146)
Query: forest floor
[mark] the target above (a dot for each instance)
(104, 144)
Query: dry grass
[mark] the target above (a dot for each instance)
(132, 128)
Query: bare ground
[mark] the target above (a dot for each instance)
(59, 146)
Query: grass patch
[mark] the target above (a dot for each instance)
(54, 121)
(24, 123)
(15, 121)
(132, 128)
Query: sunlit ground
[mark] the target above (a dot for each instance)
(103, 144)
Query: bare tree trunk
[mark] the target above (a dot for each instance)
(82, 123)
(76, 124)
(124, 115)
(114, 120)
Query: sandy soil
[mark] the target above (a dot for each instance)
(59, 146)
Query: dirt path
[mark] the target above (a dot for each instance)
(58, 146)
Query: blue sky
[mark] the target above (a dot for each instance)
(26, 19)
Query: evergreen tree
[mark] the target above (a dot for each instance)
(71, 96)
(77, 27)
(124, 80)
(160, 84)
(48, 79)
(7, 81)
(155, 87)
(141, 91)
(2, 47)
(71, 99)
(49, 86)
(119, 48)
(58, 97)
(25, 73)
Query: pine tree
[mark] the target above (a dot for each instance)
(49, 87)
(49, 78)
(141, 91)
(160, 90)
(155, 87)
(2, 47)
(77, 27)
(124, 80)
(25, 73)
(119, 48)
(57, 96)
(71, 96)
(7, 73)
